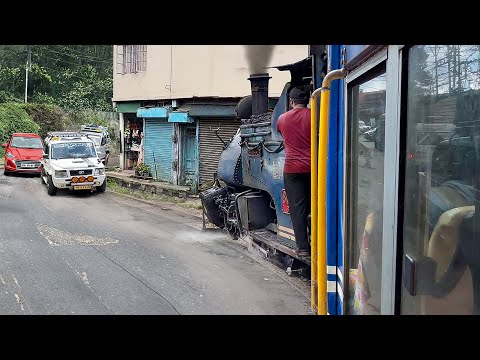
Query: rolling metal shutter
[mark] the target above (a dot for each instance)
(158, 148)
(211, 147)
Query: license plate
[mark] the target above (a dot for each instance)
(82, 187)
(27, 165)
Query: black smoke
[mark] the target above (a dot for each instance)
(259, 57)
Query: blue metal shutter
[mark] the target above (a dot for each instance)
(158, 148)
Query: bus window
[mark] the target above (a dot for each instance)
(441, 181)
(365, 194)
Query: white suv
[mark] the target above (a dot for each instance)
(70, 161)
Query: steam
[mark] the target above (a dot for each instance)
(199, 237)
(259, 57)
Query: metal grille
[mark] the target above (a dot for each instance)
(80, 172)
(210, 145)
(131, 59)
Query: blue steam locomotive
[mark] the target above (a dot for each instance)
(248, 198)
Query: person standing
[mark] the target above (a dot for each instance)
(294, 125)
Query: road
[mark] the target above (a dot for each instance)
(102, 254)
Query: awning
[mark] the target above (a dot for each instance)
(179, 117)
(152, 112)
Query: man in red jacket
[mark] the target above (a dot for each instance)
(294, 126)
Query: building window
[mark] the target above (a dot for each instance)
(131, 59)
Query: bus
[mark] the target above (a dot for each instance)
(394, 227)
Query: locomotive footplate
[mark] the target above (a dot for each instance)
(274, 241)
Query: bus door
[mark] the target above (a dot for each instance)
(370, 182)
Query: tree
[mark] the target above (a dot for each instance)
(74, 77)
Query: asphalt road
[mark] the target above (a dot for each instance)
(78, 253)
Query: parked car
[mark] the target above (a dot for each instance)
(369, 135)
(23, 153)
(99, 135)
(377, 134)
(362, 128)
(70, 161)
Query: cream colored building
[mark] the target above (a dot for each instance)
(171, 98)
(158, 72)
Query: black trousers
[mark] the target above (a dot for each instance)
(297, 187)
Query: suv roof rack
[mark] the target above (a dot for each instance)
(94, 128)
(66, 134)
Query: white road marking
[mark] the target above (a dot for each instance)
(16, 282)
(19, 301)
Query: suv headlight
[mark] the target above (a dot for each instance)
(60, 173)
(100, 171)
(9, 155)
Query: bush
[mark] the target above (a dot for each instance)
(13, 118)
(6, 97)
(48, 117)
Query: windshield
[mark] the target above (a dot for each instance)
(96, 139)
(24, 142)
(73, 150)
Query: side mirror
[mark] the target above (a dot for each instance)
(45, 156)
(4, 145)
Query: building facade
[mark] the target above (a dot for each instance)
(177, 104)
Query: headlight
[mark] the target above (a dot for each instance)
(100, 171)
(9, 155)
(60, 173)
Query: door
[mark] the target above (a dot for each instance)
(441, 227)
(190, 157)
(371, 163)
(365, 163)
(158, 148)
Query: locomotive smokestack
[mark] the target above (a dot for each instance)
(259, 85)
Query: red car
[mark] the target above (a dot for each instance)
(23, 153)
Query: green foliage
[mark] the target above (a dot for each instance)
(13, 118)
(143, 169)
(74, 77)
(6, 97)
(48, 117)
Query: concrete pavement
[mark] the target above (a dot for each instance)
(78, 253)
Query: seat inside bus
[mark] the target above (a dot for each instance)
(453, 290)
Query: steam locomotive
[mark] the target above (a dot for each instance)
(248, 197)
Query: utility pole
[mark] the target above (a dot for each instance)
(27, 68)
